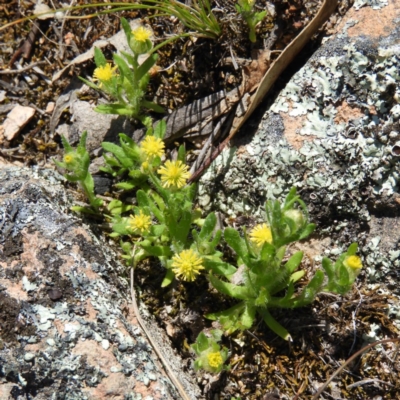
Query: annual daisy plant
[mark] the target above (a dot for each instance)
(162, 223)
(126, 80)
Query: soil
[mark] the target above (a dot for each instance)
(189, 69)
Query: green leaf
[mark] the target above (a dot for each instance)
(169, 277)
(90, 84)
(208, 227)
(131, 59)
(115, 109)
(294, 261)
(124, 69)
(125, 185)
(99, 58)
(157, 230)
(247, 317)
(153, 106)
(229, 289)
(274, 325)
(130, 148)
(290, 198)
(296, 276)
(308, 230)
(219, 267)
(328, 267)
(267, 252)
(158, 251)
(234, 240)
(142, 198)
(127, 29)
(202, 343)
(119, 153)
(352, 250)
(182, 154)
(146, 66)
(160, 129)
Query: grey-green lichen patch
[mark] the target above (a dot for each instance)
(350, 153)
(375, 4)
(71, 329)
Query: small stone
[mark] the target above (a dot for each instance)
(50, 107)
(123, 347)
(105, 344)
(16, 119)
(55, 294)
(29, 356)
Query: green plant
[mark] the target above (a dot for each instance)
(263, 280)
(210, 355)
(128, 86)
(246, 9)
(163, 223)
(77, 163)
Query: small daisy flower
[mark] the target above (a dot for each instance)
(174, 173)
(187, 264)
(140, 223)
(69, 159)
(261, 234)
(215, 360)
(104, 73)
(152, 147)
(353, 262)
(141, 34)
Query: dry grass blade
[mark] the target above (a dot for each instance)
(340, 369)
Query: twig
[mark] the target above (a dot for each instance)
(366, 381)
(175, 381)
(23, 69)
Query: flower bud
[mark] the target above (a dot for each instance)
(140, 42)
(297, 217)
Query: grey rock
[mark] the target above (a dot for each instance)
(84, 342)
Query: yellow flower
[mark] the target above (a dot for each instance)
(68, 158)
(353, 262)
(141, 34)
(140, 223)
(104, 73)
(145, 167)
(215, 360)
(187, 264)
(152, 147)
(261, 234)
(174, 173)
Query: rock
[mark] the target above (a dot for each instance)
(333, 133)
(16, 119)
(66, 323)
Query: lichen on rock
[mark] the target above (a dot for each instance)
(67, 325)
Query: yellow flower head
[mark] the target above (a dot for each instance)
(68, 158)
(261, 234)
(140, 223)
(215, 359)
(145, 167)
(353, 262)
(152, 147)
(141, 34)
(187, 264)
(104, 73)
(174, 173)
